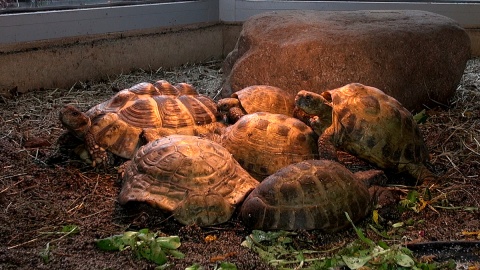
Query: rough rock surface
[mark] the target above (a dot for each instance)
(415, 56)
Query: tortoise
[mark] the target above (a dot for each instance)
(265, 142)
(256, 98)
(195, 178)
(141, 113)
(366, 122)
(311, 194)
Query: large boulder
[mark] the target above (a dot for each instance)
(415, 56)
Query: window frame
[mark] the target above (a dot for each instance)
(43, 25)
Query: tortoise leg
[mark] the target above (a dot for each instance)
(99, 155)
(421, 173)
(82, 152)
(302, 116)
(234, 114)
(315, 123)
(326, 148)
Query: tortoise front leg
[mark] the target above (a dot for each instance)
(83, 153)
(234, 114)
(421, 173)
(98, 154)
(326, 147)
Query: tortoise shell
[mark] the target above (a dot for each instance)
(257, 98)
(150, 110)
(312, 194)
(264, 142)
(195, 178)
(369, 124)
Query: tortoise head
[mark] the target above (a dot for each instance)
(225, 104)
(315, 105)
(230, 109)
(74, 120)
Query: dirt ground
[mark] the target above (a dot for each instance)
(44, 188)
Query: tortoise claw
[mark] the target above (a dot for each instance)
(102, 160)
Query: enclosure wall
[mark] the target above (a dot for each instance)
(62, 62)
(193, 32)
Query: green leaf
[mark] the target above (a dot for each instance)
(355, 262)
(404, 260)
(248, 243)
(146, 236)
(411, 222)
(195, 266)
(156, 254)
(383, 245)
(421, 117)
(428, 266)
(398, 225)
(170, 242)
(271, 246)
(278, 236)
(130, 234)
(111, 243)
(375, 251)
(406, 251)
(360, 233)
(176, 254)
(383, 234)
(70, 229)
(129, 239)
(451, 264)
(45, 254)
(327, 263)
(227, 266)
(300, 257)
(144, 230)
(412, 196)
(164, 266)
(145, 244)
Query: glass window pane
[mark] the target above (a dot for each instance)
(16, 6)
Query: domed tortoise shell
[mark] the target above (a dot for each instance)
(146, 111)
(195, 178)
(264, 142)
(256, 98)
(312, 194)
(366, 122)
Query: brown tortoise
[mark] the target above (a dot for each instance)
(312, 194)
(147, 111)
(256, 98)
(366, 122)
(195, 178)
(264, 142)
